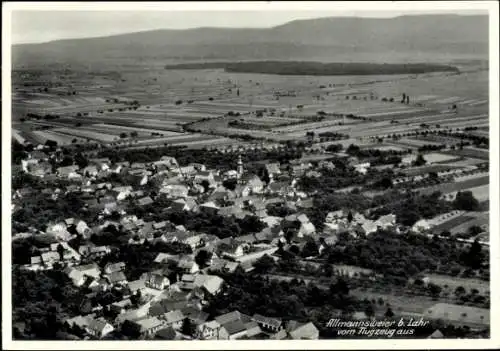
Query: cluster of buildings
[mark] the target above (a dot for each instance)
(163, 304)
(158, 304)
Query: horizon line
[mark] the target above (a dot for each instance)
(254, 28)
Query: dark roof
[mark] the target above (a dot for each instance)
(195, 314)
(117, 277)
(158, 309)
(166, 334)
(235, 327)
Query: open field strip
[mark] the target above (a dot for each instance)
(169, 126)
(480, 133)
(75, 109)
(399, 303)
(446, 188)
(421, 98)
(467, 162)
(463, 221)
(203, 142)
(436, 157)
(454, 282)
(464, 227)
(471, 123)
(415, 171)
(61, 139)
(456, 119)
(420, 142)
(131, 119)
(382, 147)
(87, 134)
(187, 138)
(466, 102)
(480, 102)
(16, 134)
(448, 100)
(469, 152)
(118, 129)
(390, 113)
(310, 125)
(42, 103)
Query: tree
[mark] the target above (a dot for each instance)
(474, 257)
(51, 143)
(123, 135)
(202, 258)
(369, 310)
(327, 269)
(134, 134)
(475, 230)
(420, 161)
(264, 264)
(340, 287)
(434, 289)
(388, 313)
(459, 291)
(230, 184)
(310, 249)
(349, 217)
(465, 201)
(205, 184)
(188, 327)
(60, 251)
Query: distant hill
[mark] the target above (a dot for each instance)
(421, 38)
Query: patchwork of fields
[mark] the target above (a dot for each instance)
(195, 107)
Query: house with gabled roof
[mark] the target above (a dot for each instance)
(145, 201)
(268, 323)
(173, 319)
(188, 265)
(69, 172)
(208, 330)
(174, 191)
(168, 333)
(196, 316)
(80, 321)
(273, 169)
(211, 283)
(149, 326)
(156, 281)
(209, 207)
(99, 327)
(116, 278)
(183, 204)
(91, 270)
(232, 330)
(302, 331)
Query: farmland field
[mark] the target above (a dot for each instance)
(454, 282)
(435, 157)
(456, 186)
(481, 193)
(454, 222)
(414, 171)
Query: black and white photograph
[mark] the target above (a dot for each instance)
(210, 174)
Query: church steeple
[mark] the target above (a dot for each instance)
(240, 167)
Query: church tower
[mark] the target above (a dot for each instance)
(240, 167)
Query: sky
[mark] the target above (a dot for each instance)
(46, 24)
